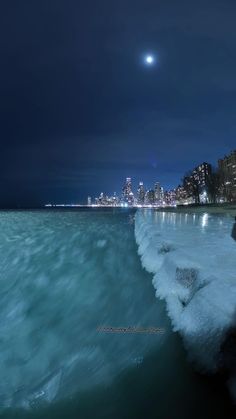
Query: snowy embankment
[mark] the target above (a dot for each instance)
(193, 259)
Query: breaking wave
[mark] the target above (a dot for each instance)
(193, 260)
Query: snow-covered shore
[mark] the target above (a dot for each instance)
(193, 259)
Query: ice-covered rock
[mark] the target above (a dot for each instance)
(193, 259)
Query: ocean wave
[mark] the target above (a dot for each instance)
(192, 258)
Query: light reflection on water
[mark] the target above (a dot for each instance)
(204, 220)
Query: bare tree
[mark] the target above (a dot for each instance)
(213, 186)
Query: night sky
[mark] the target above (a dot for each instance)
(80, 110)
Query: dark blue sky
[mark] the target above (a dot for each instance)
(79, 109)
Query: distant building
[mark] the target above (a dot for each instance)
(107, 201)
(170, 197)
(227, 176)
(140, 194)
(89, 201)
(162, 194)
(181, 196)
(150, 197)
(196, 183)
(158, 192)
(127, 194)
(102, 200)
(115, 200)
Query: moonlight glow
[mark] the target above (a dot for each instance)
(149, 59)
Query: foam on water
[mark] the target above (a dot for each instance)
(65, 274)
(62, 276)
(193, 259)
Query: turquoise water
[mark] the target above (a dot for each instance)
(63, 275)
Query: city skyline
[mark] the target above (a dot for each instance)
(89, 98)
(202, 184)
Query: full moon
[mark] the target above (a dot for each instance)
(149, 59)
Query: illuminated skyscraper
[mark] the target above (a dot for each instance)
(196, 183)
(157, 190)
(150, 197)
(227, 174)
(127, 194)
(126, 189)
(141, 194)
(162, 194)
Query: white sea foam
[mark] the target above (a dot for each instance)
(193, 259)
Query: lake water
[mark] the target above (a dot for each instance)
(66, 274)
